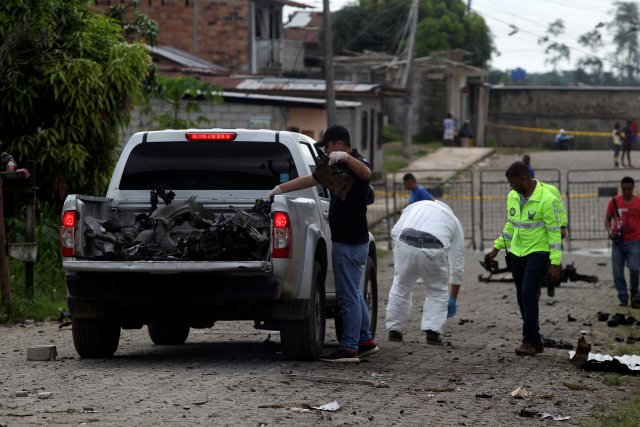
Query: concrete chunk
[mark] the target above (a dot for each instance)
(42, 352)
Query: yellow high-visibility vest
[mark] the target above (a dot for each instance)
(532, 226)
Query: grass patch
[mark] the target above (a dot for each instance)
(624, 414)
(49, 281)
(391, 166)
(613, 379)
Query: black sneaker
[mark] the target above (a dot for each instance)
(367, 348)
(433, 338)
(395, 336)
(341, 355)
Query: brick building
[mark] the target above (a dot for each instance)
(239, 35)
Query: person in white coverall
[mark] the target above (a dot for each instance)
(429, 243)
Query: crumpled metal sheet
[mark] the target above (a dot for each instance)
(183, 230)
(605, 362)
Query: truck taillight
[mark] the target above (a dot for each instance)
(68, 233)
(281, 235)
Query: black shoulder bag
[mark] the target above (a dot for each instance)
(618, 237)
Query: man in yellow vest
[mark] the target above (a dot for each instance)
(532, 232)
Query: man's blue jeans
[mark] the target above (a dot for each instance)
(348, 267)
(629, 253)
(528, 273)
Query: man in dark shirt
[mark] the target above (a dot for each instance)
(350, 243)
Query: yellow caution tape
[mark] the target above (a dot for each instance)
(551, 131)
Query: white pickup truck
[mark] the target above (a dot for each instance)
(131, 261)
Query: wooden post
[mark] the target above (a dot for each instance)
(30, 234)
(4, 261)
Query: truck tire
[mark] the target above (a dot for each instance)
(304, 339)
(168, 331)
(95, 338)
(370, 294)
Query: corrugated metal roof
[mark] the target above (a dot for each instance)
(182, 58)
(292, 3)
(285, 84)
(289, 100)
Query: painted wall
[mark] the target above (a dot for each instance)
(571, 108)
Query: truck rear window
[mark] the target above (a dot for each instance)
(202, 165)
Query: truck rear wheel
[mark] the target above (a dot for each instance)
(370, 295)
(95, 338)
(304, 339)
(167, 331)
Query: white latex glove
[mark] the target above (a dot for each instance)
(276, 191)
(337, 157)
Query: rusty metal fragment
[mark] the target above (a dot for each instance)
(583, 358)
(183, 230)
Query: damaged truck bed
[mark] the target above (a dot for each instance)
(184, 237)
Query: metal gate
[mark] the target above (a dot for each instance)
(588, 193)
(454, 187)
(493, 198)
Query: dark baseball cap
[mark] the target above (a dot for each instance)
(334, 133)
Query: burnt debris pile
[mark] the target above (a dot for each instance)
(183, 231)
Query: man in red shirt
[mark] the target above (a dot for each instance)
(625, 247)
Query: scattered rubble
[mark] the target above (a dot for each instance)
(183, 230)
(557, 343)
(583, 358)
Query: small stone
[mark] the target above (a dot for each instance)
(44, 395)
(42, 352)
(21, 393)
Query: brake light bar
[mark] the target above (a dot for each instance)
(211, 136)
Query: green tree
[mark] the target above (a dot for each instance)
(625, 26)
(380, 25)
(591, 65)
(555, 50)
(182, 94)
(136, 25)
(68, 80)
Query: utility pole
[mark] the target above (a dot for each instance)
(407, 81)
(330, 93)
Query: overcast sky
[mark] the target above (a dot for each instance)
(531, 18)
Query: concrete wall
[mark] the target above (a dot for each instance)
(572, 108)
(311, 121)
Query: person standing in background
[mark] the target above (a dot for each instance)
(622, 222)
(449, 125)
(465, 134)
(616, 136)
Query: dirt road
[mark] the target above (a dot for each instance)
(234, 375)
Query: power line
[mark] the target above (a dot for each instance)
(572, 48)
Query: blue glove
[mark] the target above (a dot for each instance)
(452, 308)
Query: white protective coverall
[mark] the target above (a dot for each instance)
(431, 264)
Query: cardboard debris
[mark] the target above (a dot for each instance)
(520, 393)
